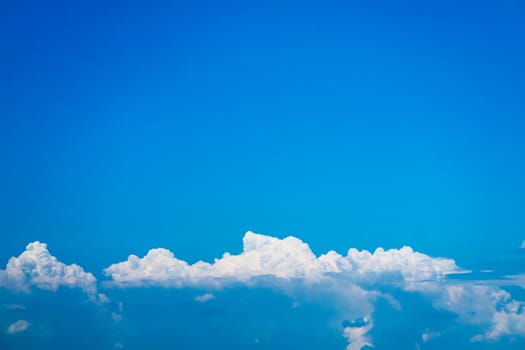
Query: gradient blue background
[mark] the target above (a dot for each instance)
(131, 125)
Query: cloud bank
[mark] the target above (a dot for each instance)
(352, 282)
(284, 259)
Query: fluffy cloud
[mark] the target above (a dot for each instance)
(284, 259)
(18, 326)
(351, 282)
(262, 256)
(288, 262)
(37, 267)
(522, 244)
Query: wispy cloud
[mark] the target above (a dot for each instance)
(204, 298)
(18, 326)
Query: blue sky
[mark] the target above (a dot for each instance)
(130, 126)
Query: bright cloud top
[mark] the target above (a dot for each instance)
(288, 258)
(37, 267)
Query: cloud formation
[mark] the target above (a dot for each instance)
(36, 267)
(285, 259)
(351, 284)
(18, 326)
(353, 281)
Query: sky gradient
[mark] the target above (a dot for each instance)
(131, 126)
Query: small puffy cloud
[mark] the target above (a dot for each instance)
(350, 284)
(18, 326)
(204, 298)
(522, 244)
(357, 333)
(37, 267)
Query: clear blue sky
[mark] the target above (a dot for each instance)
(129, 125)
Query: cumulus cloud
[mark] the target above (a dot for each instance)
(204, 298)
(18, 326)
(285, 259)
(343, 279)
(262, 256)
(37, 267)
(351, 282)
(522, 244)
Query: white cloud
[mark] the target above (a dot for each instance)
(352, 283)
(284, 259)
(262, 256)
(358, 336)
(37, 267)
(18, 326)
(349, 283)
(345, 280)
(522, 244)
(204, 298)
